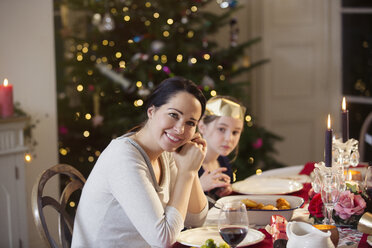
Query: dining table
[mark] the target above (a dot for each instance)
(348, 237)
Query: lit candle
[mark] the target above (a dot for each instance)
(345, 121)
(6, 99)
(328, 144)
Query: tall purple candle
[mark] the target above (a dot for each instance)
(328, 144)
(345, 121)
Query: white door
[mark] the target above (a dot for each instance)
(301, 84)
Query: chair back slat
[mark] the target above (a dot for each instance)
(39, 202)
(66, 223)
(362, 137)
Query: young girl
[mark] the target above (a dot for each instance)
(144, 187)
(221, 127)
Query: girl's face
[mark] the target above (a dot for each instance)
(222, 134)
(174, 123)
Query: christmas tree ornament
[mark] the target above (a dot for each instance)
(157, 46)
(227, 3)
(114, 76)
(166, 69)
(184, 20)
(151, 84)
(63, 129)
(145, 57)
(140, 56)
(143, 92)
(62, 95)
(234, 32)
(205, 43)
(107, 23)
(96, 19)
(137, 38)
(233, 3)
(208, 81)
(223, 3)
(136, 57)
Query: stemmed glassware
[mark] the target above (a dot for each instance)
(233, 223)
(330, 190)
(330, 183)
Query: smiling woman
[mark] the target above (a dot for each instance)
(144, 187)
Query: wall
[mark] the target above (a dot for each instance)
(27, 60)
(302, 83)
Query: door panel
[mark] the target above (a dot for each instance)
(301, 84)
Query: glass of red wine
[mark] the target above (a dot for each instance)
(233, 223)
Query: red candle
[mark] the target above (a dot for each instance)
(345, 121)
(6, 99)
(328, 144)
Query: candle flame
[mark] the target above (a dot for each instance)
(343, 104)
(329, 121)
(5, 82)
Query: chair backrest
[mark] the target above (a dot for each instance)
(363, 135)
(39, 201)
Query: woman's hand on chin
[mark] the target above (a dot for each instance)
(190, 156)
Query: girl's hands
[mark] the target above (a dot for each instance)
(191, 155)
(215, 179)
(224, 191)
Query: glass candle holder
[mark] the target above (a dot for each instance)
(345, 154)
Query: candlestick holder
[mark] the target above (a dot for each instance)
(345, 154)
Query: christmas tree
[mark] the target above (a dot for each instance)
(116, 52)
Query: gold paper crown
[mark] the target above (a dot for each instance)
(224, 107)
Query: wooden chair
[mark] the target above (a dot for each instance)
(39, 201)
(362, 137)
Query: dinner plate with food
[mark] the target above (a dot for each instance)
(196, 237)
(260, 208)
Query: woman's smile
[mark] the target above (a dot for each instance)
(172, 137)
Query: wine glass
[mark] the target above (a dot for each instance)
(233, 223)
(316, 180)
(330, 192)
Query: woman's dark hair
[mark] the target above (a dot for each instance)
(167, 89)
(170, 87)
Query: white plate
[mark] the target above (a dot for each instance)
(259, 217)
(290, 170)
(369, 240)
(268, 186)
(290, 173)
(197, 236)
